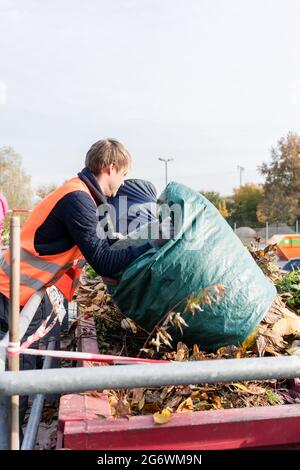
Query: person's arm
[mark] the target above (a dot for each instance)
(77, 212)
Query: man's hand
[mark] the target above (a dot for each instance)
(118, 235)
(110, 281)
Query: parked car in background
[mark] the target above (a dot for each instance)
(292, 264)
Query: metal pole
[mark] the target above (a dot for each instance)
(25, 318)
(79, 379)
(166, 161)
(234, 227)
(267, 232)
(297, 226)
(166, 171)
(4, 408)
(14, 312)
(240, 169)
(32, 427)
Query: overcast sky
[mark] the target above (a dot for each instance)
(212, 83)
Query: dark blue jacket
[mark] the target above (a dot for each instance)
(73, 221)
(141, 203)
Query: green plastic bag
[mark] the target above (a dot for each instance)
(204, 253)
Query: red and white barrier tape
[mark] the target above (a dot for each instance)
(42, 330)
(13, 348)
(58, 309)
(80, 356)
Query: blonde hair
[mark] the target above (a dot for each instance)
(105, 152)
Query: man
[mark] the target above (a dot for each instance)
(63, 228)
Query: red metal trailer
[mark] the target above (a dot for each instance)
(85, 423)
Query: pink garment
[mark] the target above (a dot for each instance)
(3, 212)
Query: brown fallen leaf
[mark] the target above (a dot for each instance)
(96, 394)
(184, 390)
(166, 391)
(99, 297)
(203, 406)
(141, 403)
(216, 402)
(174, 402)
(123, 409)
(137, 395)
(169, 356)
(113, 402)
(186, 406)
(295, 348)
(271, 317)
(230, 352)
(199, 394)
(182, 353)
(163, 417)
(261, 343)
(128, 324)
(288, 325)
(151, 408)
(253, 389)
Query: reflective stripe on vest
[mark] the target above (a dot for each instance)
(41, 264)
(32, 282)
(70, 280)
(81, 263)
(25, 280)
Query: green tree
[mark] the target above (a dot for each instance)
(223, 209)
(14, 183)
(246, 199)
(281, 202)
(222, 204)
(44, 189)
(213, 197)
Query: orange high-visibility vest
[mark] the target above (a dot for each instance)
(38, 271)
(70, 280)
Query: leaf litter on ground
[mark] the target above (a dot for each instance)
(277, 334)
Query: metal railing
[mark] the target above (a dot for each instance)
(265, 231)
(81, 379)
(36, 409)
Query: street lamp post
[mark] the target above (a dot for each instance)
(240, 169)
(166, 160)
